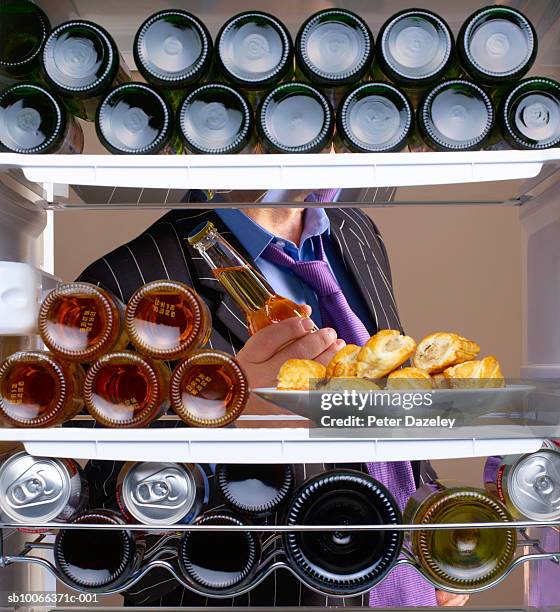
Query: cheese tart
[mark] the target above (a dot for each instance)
(300, 375)
(345, 363)
(482, 374)
(409, 378)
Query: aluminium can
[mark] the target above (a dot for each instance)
(529, 485)
(161, 493)
(36, 490)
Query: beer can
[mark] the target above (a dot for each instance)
(161, 493)
(36, 490)
(529, 485)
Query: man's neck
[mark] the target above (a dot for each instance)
(286, 223)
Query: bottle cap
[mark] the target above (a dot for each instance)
(201, 231)
(209, 389)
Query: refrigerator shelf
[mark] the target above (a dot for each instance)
(368, 179)
(247, 445)
(275, 560)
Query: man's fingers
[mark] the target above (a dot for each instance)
(326, 356)
(451, 599)
(309, 346)
(267, 342)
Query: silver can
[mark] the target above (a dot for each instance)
(529, 485)
(161, 493)
(36, 490)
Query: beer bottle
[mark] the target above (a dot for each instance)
(135, 119)
(529, 114)
(248, 289)
(295, 118)
(209, 389)
(343, 562)
(217, 562)
(415, 50)
(39, 390)
(255, 490)
(34, 120)
(93, 560)
(173, 49)
(124, 389)
(254, 51)
(80, 61)
(334, 49)
(373, 118)
(497, 45)
(456, 115)
(81, 322)
(167, 320)
(24, 27)
(465, 559)
(216, 119)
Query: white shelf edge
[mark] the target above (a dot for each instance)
(265, 445)
(279, 171)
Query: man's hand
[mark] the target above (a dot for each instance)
(450, 599)
(269, 348)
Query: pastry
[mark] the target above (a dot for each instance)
(442, 350)
(481, 374)
(345, 363)
(439, 381)
(343, 384)
(300, 375)
(409, 378)
(383, 353)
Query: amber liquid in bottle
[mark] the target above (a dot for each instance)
(38, 390)
(126, 390)
(167, 320)
(252, 294)
(209, 389)
(80, 322)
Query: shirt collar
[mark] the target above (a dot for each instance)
(254, 238)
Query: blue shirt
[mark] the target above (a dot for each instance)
(255, 238)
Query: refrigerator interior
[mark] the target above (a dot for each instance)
(473, 238)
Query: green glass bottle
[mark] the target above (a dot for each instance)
(415, 50)
(373, 118)
(497, 45)
(295, 118)
(24, 27)
(135, 119)
(334, 49)
(34, 120)
(456, 115)
(254, 51)
(81, 62)
(529, 114)
(216, 119)
(173, 50)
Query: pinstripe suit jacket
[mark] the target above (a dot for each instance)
(162, 252)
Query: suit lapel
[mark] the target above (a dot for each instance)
(360, 248)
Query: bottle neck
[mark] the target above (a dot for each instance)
(243, 283)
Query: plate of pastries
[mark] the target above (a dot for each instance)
(446, 364)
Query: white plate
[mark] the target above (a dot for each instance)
(470, 402)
